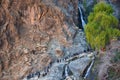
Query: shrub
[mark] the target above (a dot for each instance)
(101, 26)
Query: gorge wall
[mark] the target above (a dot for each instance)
(33, 33)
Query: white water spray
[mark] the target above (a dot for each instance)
(81, 16)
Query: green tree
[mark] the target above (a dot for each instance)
(101, 26)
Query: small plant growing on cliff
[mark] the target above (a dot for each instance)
(102, 26)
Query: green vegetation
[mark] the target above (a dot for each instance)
(102, 26)
(113, 71)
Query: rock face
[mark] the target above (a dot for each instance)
(78, 66)
(34, 33)
(116, 7)
(56, 72)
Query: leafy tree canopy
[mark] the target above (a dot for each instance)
(101, 26)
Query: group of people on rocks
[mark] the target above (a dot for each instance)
(46, 70)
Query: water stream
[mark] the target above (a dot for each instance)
(81, 17)
(88, 72)
(66, 71)
(89, 69)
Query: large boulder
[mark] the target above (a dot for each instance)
(79, 66)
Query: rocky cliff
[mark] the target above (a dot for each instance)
(34, 33)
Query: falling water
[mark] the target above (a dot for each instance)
(66, 71)
(81, 16)
(88, 71)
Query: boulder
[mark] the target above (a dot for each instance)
(78, 66)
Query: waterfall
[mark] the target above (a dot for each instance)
(88, 71)
(81, 16)
(66, 71)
